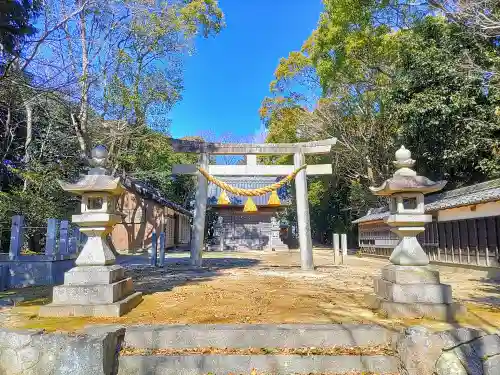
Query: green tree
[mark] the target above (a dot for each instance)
(96, 72)
(447, 114)
(31, 188)
(149, 158)
(146, 79)
(390, 73)
(478, 16)
(16, 23)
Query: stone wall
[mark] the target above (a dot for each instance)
(32, 352)
(461, 351)
(35, 270)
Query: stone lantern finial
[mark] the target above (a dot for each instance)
(98, 160)
(404, 163)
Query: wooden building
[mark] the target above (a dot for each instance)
(465, 227)
(237, 230)
(147, 211)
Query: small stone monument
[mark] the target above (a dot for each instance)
(409, 287)
(96, 287)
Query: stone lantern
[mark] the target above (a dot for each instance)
(96, 287)
(408, 286)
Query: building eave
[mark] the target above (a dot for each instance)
(150, 193)
(472, 195)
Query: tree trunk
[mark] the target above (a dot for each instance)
(80, 135)
(7, 122)
(5, 144)
(29, 137)
(81, 125)
(369, 171)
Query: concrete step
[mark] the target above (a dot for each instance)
(277, 349)
(256, 336)
(263, 364)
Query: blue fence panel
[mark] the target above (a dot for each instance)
(154, 249)
(16, 237)
(64, 237)
(162, 249)
(51, 243)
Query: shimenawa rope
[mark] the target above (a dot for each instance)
(250, 192)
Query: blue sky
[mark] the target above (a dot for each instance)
(229, 75)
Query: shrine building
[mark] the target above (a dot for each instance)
(237, 229)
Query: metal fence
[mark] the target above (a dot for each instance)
(470, 241)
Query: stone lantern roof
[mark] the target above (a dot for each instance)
(96, 180)
(94, 183)
(406, 179)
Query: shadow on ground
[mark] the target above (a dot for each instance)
(264, 288)
(178, 271)
(147, 279)
(490, 286)
(35, 295)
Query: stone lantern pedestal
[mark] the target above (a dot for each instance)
(97, 286)
(409, 287)
(413, 292)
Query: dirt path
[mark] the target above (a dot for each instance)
(254, 287)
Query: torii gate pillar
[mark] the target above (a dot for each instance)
(199, 214)
(303, 218)
(299, 150)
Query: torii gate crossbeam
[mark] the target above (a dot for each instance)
(298, 150)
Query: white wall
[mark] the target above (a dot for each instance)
(467, 212)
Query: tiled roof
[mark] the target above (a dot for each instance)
(373, 214)
(149, 192)
(479, 193)
(244, 183)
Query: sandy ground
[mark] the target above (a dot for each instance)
(256, 287)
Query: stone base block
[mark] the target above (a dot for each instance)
(91, 275)
(410, 274)
(413, 293)
(438, 311)
(92, 294)
(115, 309)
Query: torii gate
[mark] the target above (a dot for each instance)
(299, 150)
